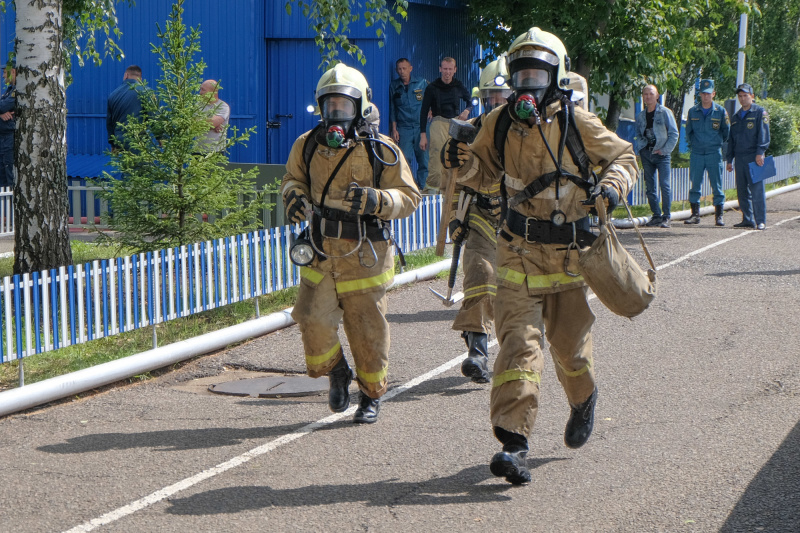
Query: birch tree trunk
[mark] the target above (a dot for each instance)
(40, 195)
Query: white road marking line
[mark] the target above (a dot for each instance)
(184, 484)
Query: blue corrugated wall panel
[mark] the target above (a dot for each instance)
(266, 61)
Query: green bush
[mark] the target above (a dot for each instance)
(784, 126)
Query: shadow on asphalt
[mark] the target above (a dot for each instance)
(171, 440)
(442, 315)
(772, 500)
(464, 487)
(758, 273)
(444, 386)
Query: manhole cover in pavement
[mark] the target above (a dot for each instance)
(273, 387)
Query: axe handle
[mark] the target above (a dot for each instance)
(447, 207)
(451, 281)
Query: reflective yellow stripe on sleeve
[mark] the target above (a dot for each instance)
(311, 275)
(373, 377)
(319, 360)
(515, 375)
(364, 283)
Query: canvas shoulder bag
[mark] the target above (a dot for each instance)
(612, 274)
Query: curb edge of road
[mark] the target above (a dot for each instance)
(59, 387)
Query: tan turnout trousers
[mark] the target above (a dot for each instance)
(439, 134)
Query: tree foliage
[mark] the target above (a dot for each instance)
(331, 21)
(618, 45)
(166, 183)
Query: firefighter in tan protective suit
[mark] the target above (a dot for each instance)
(331, 180)
(475, 319)
(538, 290)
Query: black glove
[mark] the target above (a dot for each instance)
(458, 231)
(608, 193)
(361, 200)
(296, 204)
(455, 154)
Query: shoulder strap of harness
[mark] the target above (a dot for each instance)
(310, 147)
(574, 141)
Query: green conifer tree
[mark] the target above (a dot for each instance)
(166, 190)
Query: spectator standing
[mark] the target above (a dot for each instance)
(748, 142)
(656, 137)
(219, 113)
(405, 101)
(122, 103)
(707, 127)
(8, 123)
(442, 99)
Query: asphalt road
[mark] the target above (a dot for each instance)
(698, 423)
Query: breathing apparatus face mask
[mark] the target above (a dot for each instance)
(494, 98)
(338, 113)
(530, 88)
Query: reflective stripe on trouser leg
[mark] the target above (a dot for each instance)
(480, 286)
(568, 326)
(439, 129)
(518, 367)
(368, 334)
(317, 313)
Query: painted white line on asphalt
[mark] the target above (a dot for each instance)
(184, 484)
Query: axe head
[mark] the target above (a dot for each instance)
(463, 131)
(449, 300)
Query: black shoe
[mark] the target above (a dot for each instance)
(476, 365)
(654, 221)
(664, 222)
(744, 224)
(368, 408)
(340, 378)
(580, 423)
(511, 465)
(719, 210)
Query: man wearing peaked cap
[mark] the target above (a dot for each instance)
(749, 140)
(707, 127)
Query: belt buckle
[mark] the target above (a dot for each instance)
(543, 234)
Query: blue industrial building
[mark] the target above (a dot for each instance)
(267, 63)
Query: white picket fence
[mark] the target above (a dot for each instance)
(47, 310)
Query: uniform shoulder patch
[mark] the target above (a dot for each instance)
(727, 118)
(765, 117)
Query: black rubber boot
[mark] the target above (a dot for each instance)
(695, 218)
(718, 211)
(511, 462)
(476, 365)
(340, 378)
(368, 408)
(580, 423)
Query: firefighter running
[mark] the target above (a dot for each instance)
(475, 319)
(521, 146)
(347, 181)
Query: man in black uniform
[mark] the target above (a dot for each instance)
(122, 103)
(442, 98)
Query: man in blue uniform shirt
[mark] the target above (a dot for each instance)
(707, 127)
(405, 101)
(122, 103)
(8, 122)
(749, 140)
